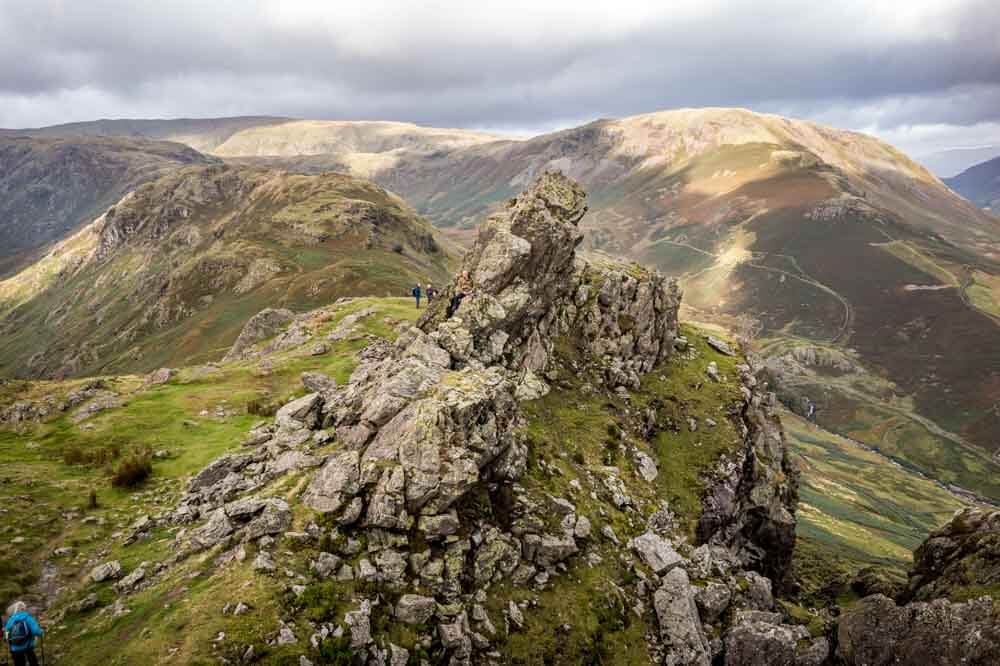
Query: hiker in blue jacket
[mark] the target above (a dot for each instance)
(416, 294)
(20, 631)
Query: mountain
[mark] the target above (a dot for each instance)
(949, 163)
(202, 134)
(363, 147)
(49, 187)
(980, 184)
(173, 271)
(559, 472)
(877, 287)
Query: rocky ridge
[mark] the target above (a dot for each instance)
(948, 612)
(428, 423)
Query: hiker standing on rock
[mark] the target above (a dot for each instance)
(463, 287)
(416, 294)
(20, 632)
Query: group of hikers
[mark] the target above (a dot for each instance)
(19, 632)
(463, 287)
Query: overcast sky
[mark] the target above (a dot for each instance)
(923, 75)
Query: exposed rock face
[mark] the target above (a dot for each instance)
(961, 559)
(430, 424)
(879, 632)
(527, 290)
(751, 505)
(965, 552)
(261, 326)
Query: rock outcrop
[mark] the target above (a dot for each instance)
(879, 632)
(955, 618)
(431, 425)
(750, 505)
(962, 554)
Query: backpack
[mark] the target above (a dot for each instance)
(20, 634)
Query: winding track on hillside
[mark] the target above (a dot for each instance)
(841, 336)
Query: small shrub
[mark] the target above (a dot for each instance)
(261, 407)
(92, 499)
(397, 248)
(133, 470)
(336, 651)
(73, 455)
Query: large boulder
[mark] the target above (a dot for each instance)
(877, 632)
(755, 642)
(680, 627)
(336, 483)
(263, 325)
(963, 553)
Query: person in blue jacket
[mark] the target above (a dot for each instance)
(20, 632)
(416, 294)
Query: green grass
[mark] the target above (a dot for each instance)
(857, 508)
(37, 487)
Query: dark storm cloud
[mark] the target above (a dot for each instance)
(883, 67)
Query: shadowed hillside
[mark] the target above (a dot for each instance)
(980, 184)
(49, 187)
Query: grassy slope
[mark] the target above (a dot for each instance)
(856, 507)
(183, 295)
(38, 487)
(177, 618)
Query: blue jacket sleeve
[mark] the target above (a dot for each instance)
(36, 629)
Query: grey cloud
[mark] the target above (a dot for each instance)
(833, 61)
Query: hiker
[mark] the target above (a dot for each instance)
(416, 294)
(20, 632)
(431, 294)
(463, 287)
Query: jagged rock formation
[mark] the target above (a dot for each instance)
(429, 423)
(955, 618)
(879, 632)
(751, 505)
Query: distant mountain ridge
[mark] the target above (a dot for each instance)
(949, 163)
(980, 184)
(49, 186)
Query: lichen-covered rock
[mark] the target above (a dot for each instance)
(415, 609)
(963, 553)
(335, 484)
(107, 571)
(876, 632)
(680, 627)
(749, 507)
(656, 552)
(265, 324)
(758, 643)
